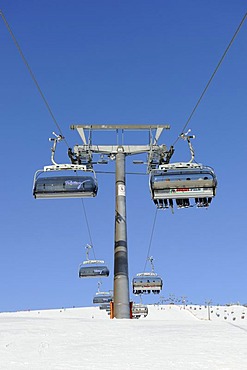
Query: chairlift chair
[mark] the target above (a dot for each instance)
(67, 186)
(105, 306)
(147, 282)
(102, 297)
(60, 183)
(181, 182)
(92, 268)
(139, 309)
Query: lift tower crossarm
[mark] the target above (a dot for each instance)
(159, 129)
(120, 127)
(113, 149)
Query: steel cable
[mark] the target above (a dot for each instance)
(46, 104)
(32, 74)
(151, 239)
(212, 76)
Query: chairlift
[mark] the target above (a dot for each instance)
(181, 182)
(102, 297)
(138, 310)
(92, 268)
(64, 185)
(147, 282)
(105, 306)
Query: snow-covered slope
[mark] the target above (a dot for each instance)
(170, 337)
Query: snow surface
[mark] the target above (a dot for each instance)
(170, 337)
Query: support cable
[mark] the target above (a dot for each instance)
(46, 104)
(32, 74)
(151, 238)
(212, 76)
(88, 228)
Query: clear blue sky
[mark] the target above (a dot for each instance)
(122, 62)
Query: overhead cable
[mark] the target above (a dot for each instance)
(151, 239)
(88, 228)
(46, 104)
(212, 76)
(32, 74)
